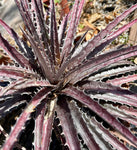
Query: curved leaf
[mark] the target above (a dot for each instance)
(103, 113)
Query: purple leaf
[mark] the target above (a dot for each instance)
(54, 35)
(107, 136)
(123, 79)
(11, 86)
(97, 39)
(33, 83)
(82, 127)
(40, 112)
(71, 32)
(110, 92)
(51, 71)
(62, 28)
(10, 103)
(43, 60)
(15, 54)
(16, 72)
(24, 117)
(129, 110)
(99, 62)
(110, 38)
(94, 106)
(63, 112)
(119, 113)
(47, 126)
(113, 72)
(21, 44)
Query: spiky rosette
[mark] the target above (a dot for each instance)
(71, 90)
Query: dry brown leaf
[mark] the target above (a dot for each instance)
(108, 18)
(65, 7)
(88, 36)
(4, 59)
(94, 17)
(135, 60)
(86, 23)
(95, 32)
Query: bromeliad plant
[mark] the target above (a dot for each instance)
(71, 88)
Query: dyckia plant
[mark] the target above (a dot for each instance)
(64, 90)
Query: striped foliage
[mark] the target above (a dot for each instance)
(58, 90)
